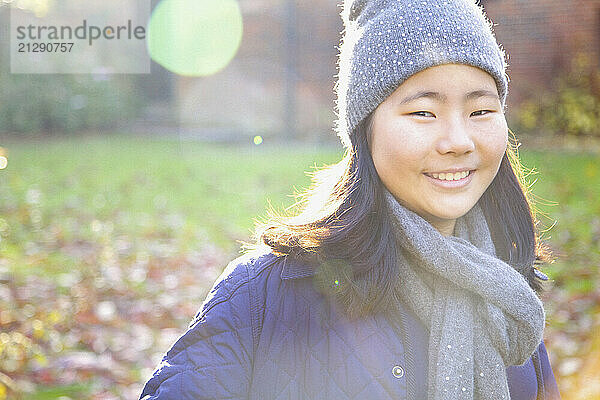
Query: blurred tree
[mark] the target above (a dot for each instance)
(572, 107)
(53, 103)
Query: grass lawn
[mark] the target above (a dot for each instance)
(109, 244)
(219, 188)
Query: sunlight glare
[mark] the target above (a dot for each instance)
(195, 37)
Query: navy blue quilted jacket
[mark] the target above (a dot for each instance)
(265, 333)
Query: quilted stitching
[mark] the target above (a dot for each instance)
(264, 333)
(346, 357)
(213, 359)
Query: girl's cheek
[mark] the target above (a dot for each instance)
(495, 136)
(500, 125)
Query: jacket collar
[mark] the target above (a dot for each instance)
(293, 269)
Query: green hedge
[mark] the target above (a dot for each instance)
(65, 103)
(571, 107)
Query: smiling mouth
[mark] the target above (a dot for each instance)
(449, 176)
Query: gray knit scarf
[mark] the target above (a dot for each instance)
(481, 313)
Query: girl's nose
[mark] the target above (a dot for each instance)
(455, 138)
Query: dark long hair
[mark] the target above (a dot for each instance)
(343, 229)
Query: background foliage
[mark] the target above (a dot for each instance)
(570, 108)
(66, 103)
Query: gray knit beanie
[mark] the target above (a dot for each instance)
(386, 41)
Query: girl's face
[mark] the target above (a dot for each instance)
(446, 118)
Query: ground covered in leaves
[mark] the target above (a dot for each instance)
(108, 246)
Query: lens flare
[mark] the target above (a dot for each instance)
(195, 37)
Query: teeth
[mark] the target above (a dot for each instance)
(450, 176)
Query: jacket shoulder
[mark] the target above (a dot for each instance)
(219, 344)
(231, 287)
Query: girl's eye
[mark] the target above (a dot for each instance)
(485, 111)
(476, 113)
(420, 112)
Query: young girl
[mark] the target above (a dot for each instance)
(409, 273)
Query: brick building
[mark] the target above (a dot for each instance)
(541, 37)
(251, 94)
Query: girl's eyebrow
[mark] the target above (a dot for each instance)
(442, 98)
